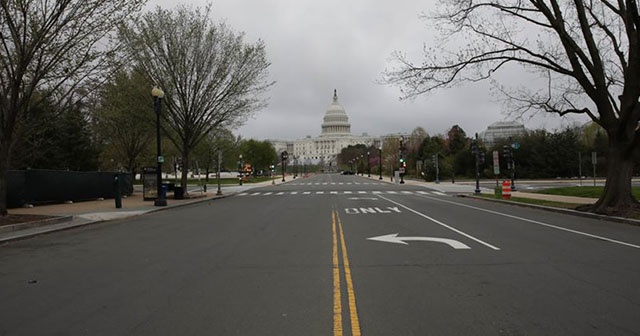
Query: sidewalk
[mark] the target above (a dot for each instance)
(69, 215)
(468, 188)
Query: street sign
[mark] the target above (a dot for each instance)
(515, 145)
(496, 163)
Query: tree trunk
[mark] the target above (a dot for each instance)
(4, 169)
(185, 173)
(617, 198)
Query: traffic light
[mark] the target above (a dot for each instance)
(508, 156)
(481, 157)
(506, 152)
(474, 146)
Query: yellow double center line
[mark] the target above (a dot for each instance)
(337, 293)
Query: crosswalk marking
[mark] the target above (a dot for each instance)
(343, 192)
(333, 183)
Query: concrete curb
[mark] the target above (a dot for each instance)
(35, 224)
(60, 223)
(36, 228)
(560, 210)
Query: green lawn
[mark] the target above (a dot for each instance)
(584, 191)
(536, 201)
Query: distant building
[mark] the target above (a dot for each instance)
(501, 130)
(335, 135)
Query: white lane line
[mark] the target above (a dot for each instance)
(539, 223)
(306, 193)
(333, 192)
(294, 193)
(268, 193)
(280, 193)
(443, 224)
(243, 194)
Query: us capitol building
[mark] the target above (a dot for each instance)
(336, 135)
(324, 149)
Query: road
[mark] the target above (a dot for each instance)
(328, 255)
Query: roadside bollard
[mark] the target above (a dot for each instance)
(116, 186)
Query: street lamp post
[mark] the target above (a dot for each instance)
(284, 156)
(273, 174)
(158, 94)
(240, 169)
(368, 164)
(475, 148)
(219, 192)
(401, 160)
(380, 151)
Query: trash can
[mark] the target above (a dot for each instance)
(178, 192)
(163, 191)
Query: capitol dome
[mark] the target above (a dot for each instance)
(335, 121)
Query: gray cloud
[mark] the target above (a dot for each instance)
(316, 46)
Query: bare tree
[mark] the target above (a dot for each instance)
(588, 52)
(52, 47)
(211, 77)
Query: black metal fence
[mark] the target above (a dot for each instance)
(37, 186)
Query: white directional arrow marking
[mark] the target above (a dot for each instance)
(393, 238)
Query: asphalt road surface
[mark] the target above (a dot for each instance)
(328, 255)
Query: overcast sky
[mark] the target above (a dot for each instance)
(317, 46)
